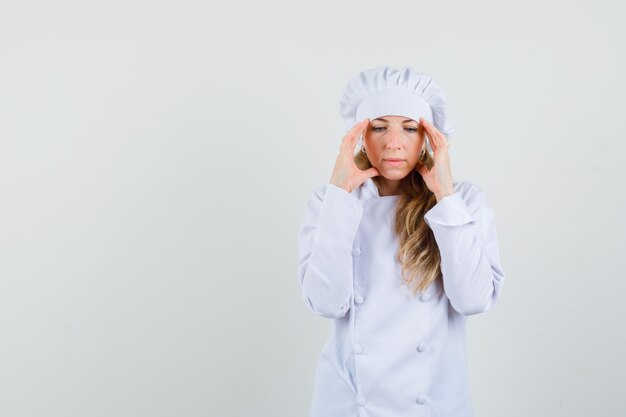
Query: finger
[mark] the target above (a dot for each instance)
(431, 138)
(428, 128)
(428, 145)
(422, 169)
(437, 140)
(350, 139)
(441, 140)
(362, 125)
(356, 129)
(427, 125)
(434, 141)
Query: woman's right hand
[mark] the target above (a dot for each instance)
(346, 174)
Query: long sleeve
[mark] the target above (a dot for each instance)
(325, 250)
(464, 227)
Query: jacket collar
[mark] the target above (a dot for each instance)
(368, 190)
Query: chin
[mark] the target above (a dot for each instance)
(394, 175)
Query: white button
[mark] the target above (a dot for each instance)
(356, 251)
(421, 399)
(425, 297)
(421, 347)
(358, 299)
(360, 401)
(358, 348)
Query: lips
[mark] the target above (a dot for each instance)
(394, 162)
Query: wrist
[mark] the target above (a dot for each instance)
(340, 186)
(442, 195)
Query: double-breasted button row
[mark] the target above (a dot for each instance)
(358, 299)
(356, 251)
(358, 349)
(425, 297)
(421, 347)
(421, 399)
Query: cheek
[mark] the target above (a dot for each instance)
(420, 142)
(414, 144)
(370, 146)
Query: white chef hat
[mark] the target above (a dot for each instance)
(384, 90)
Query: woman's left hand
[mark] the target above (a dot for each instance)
(439, 178)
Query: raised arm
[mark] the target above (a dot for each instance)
(325, 250)
(325, 239)
(464, 227)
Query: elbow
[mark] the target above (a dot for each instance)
(469, 309)
(328, 298)
(469, 306)
(480, 296)
(327, 310)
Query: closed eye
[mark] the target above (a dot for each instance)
(381, 128)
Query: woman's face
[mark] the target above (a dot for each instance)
(389, 138)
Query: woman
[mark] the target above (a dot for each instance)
(398, 255)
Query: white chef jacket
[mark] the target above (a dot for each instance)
(392, 354)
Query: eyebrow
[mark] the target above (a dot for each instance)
(385, 120)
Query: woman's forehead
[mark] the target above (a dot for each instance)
(394, 118)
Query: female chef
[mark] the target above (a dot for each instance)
(398, 254)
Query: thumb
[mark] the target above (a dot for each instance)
(371, 172)
(422, 169)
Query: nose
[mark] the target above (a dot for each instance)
(393, 139)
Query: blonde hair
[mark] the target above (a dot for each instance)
(418, 251)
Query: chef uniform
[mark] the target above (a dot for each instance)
(392, 353)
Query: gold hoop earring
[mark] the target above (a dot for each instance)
(363, 149)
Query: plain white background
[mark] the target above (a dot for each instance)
(156, 159)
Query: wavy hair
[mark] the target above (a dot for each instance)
(418, 252)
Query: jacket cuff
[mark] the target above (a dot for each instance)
(342, 199)
(449, 211)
